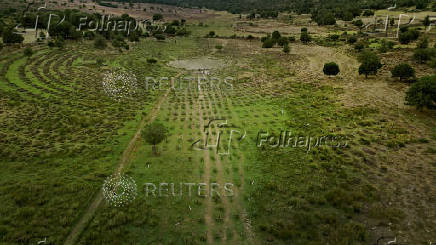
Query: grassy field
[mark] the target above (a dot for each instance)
(62, 136)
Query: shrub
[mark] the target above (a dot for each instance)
(408, 36)
(99, 61)
(359, 46)
(159, 37)
(282, 41)
(154, 134)
(370, 63)
(28, 51)
(219, 47)
(304, 29)
(151, 60)
(305, 37)
(211, 34)
(422, 93)
(352, 39)
(10, 37)
(368, 13)
(268, 43)
(157, 17)
(423, 43)
(331, 69)
(358, 23)
(286, 49)
(276, 35)
(423, 55)
(100, 42)
(291, 39)
(403, 71)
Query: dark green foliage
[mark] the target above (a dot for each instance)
(291, 39)
(305, 37)
(370, 63)
(276, 35)
(403, 71)
(282, 41)
(28, 51)
(159, 37)
(151, 60)
(100, 42)
(359, 46)
(423, 43)
(408, 36)
(368, 12)
(9, 36)
(358, 23)
(268, 43)
(423, 55)
(331, 69)
(154, 134)
(324, 17)
(422, 93)
(426, 21)
(286, 49)
(157, 17)
(352, 39)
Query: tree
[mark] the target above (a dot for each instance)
(422, 55)
(370, 63)
(358, 23)
(100, 42)
(426, 21)
(331, 69)
(10, 37)
(352, 39)
(276, 35)
(157, 17)
(28, 51)
(211, 34)
(305, 37)
(286, 49)
(403, 71)
(154, 133)
(422, 93)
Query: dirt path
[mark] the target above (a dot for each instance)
(125, 159)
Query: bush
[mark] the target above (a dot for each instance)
(352, 39)
(305, 37)
(10, 37)
(268, 43)
(211, 34)
(422, 93)
(159, 37)
(28, 51)
(286, 49)
(331, 69)
(276, 35)
(157, 17)
(358, 23)
(219, 47)
(282, 41)
(291, 39)
(151, 60)
(99, 61)
(423, 55)
(359, 46)
(100, 42)
(423, 43)
(408, 36)
(403, 71)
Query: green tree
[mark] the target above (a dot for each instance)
(370, 63)
(358, 23)
(154, 134)
(422, 93)
(422, 55)
(276, 35)
(423, 43)
(403, 71)
(10, 37)
(331, 69)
